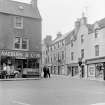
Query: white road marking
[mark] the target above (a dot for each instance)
(20, 103)
(98, 104)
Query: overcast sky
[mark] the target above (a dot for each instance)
(60, 15)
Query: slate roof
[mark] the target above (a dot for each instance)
(58, 39)
(19, 8)
(101, 23)
(90, 28)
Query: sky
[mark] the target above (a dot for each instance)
(60, 15)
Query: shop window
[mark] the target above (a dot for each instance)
(19, 22)
(99, 70)
(96, 50)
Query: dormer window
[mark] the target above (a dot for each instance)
(19, 22)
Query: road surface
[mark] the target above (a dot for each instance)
(53, 91)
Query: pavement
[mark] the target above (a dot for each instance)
(19, 79)
(53, 77)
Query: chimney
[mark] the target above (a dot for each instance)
(34, 3)
(83, 19)
(77, 24)
(59, 34)
(48, 39)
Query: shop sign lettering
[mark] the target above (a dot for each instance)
(32, 55)
(19, 54)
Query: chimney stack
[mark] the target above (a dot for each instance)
(34, 3)
(59, 34)
(77, 23)
(83, 19)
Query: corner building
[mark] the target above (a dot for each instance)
(20, 35)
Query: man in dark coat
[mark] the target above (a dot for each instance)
(45, 71)
(48, 72)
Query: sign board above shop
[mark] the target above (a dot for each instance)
(19, 54)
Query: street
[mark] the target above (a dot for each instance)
(53, 91)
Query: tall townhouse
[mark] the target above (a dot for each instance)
(72, 50)
(43, 54)
(85, 49)
(46, 50)
(56, 55)
(77, 48)
(95, 58)
(20, 35)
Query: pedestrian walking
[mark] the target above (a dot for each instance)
(48, 72)
(45, 71)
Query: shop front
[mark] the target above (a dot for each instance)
(96, 68)
(73, 68)
(27, 63)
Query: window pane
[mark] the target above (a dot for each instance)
(82, 53)
(97, 50)
(72, 55)
(19, 22)
(17, 46)
(24, 43)
(17, 42)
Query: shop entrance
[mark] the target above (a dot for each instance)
(20, 64)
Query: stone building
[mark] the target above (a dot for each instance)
(20, 34)
(85, 44)
(55, 55)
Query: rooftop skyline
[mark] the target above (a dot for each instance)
(60, 15)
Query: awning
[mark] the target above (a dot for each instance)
(95, 60)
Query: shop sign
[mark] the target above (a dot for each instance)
(91, 70)
(34, 55)
(19, 54)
